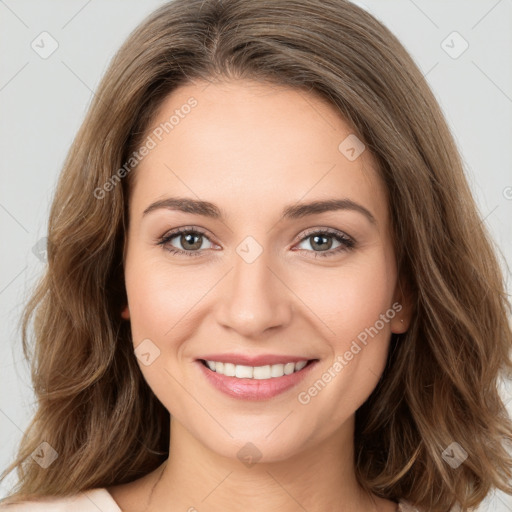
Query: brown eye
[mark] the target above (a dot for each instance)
(186, 241)
(321, 242)
(191, 241)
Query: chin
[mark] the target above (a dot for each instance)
(266, 444)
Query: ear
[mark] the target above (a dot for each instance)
(402, 305)
(125, 313)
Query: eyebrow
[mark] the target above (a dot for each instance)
(293, 211)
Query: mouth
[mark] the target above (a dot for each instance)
(259, 382)
(263, 372)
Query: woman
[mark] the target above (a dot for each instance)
(268, 286)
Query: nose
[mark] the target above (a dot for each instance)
(254, 298)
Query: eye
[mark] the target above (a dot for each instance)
(191, 241)
(323, 241)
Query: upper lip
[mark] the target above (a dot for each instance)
(261, 360)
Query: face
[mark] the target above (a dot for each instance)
(254, 276)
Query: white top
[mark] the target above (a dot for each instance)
(97, 499)
(92, 500)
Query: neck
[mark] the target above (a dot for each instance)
(195, 478)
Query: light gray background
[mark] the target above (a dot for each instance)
(43, 102)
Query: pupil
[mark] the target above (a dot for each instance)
(319, 237)
(192, 245)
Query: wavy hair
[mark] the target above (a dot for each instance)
(440, 384)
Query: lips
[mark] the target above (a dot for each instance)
(261, 360)
(254, 388)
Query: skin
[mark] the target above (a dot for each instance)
(252, 149)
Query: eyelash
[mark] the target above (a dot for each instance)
(346, 242)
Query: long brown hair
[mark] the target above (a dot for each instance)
(440, 383)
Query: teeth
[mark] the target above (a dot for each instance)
(277, 370)
(300, 365)
(289, 368)
(262, 372)
(255, 372)
(243, 372)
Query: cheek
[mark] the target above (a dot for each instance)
(159, 299)
(356, 305)
(160, 296)
(147, 295)
(350, 298)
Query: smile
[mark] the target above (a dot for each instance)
(254, 382)
(255, 372)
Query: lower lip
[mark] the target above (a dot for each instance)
(255, 389)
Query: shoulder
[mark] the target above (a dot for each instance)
(91, 500)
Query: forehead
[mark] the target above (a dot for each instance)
(249, 146)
